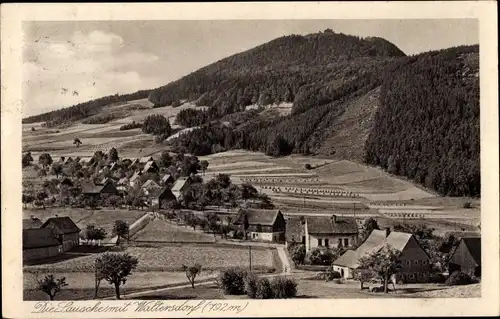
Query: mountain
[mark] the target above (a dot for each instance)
(353, 98)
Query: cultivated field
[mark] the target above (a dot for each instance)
(163, 231)
(171, 258)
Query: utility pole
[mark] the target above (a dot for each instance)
(250, 256)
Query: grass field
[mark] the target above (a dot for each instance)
(171, 258)
(102, 218)
(162, 231)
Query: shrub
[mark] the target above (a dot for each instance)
(283, 287)
(264, 289)
(130, 126)
(99, 119)
(458, 278)
(251, 281)
(318, 257)
(467, 205)
(232, 281)
(437, 278)
(331, 274)
(298, 254)
(308, 166)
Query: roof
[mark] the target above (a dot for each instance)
(148, 166)
(326, 225)
(33, 222)
(85, 159)
(294, 229)
(135, 176)
(376, 241)
(166, 177)
(38, 238)
(348, 259)
(257, 216)
(89, 188)
(150, 183)
(179, 184)
(122, 181)
(145, 159)
(157, 192)
(64, 224)
(65, 180)
(473, 244)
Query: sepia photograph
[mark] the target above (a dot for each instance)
(250, 159)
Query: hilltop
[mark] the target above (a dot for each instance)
(347, 97)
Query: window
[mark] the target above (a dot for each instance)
(408, 262)
(320, 242)
(424, 262)
(346, 242)
(303, 239)
(326, 242)
(412, 276)
(415, 262)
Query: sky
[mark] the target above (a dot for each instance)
(65, 63)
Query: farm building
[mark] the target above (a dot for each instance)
(32, 222)
(415, 262)
(325, 232)
(167, 179)
(181, 186)
(40, 243)
(160, 197)
(142, 160)
(295, 232)
(263, 224)
(85, 160)
(114, 166)
(150, 167)
(122, 183)
(65, 230)
(135, 178)
(95, 191)
(467, 256)
(149, 186)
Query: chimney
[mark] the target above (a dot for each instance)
(387, 231)
(334, 219)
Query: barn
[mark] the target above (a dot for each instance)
(466, 257)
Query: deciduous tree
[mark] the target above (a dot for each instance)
(115, 268)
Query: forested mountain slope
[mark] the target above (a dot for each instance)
(427, 125)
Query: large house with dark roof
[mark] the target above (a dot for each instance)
(263, 224)
(39, 243)
(415, 262)
(95, 191)
(160, 197)
(181, 186)
(326, 232)
(466, 257)
(65, 230)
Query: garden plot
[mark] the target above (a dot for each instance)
(171, 258)
(243, 172)
(244, 164)
(163, 231)
(408, 194)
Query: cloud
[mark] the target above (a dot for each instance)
(94, 64)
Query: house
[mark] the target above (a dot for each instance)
(95, 191)
(466, 256)
(142, 161)
(150, 167)
(68, 160)
(295, 231)
(263, 224)
(65, 231)
(415, 262)
(32, 222)
(66, 181)
(167, 179)
(85, 160)
(122, 183)
(114, 166)
(325, 232)
(181, 186)
(135, 178)
(40, 243)
(150, 185)
(160, 197)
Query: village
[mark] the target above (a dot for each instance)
(168, 221)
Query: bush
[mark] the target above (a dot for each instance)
(331, 274)
(298, 254)
(156, 124)
(308, 166)
(232, 281)
(318, 257)
(437, 278)
(458, 278)
(283, 287)
(264, 289)
(251, 281)
(130, 126)
(467, 205)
